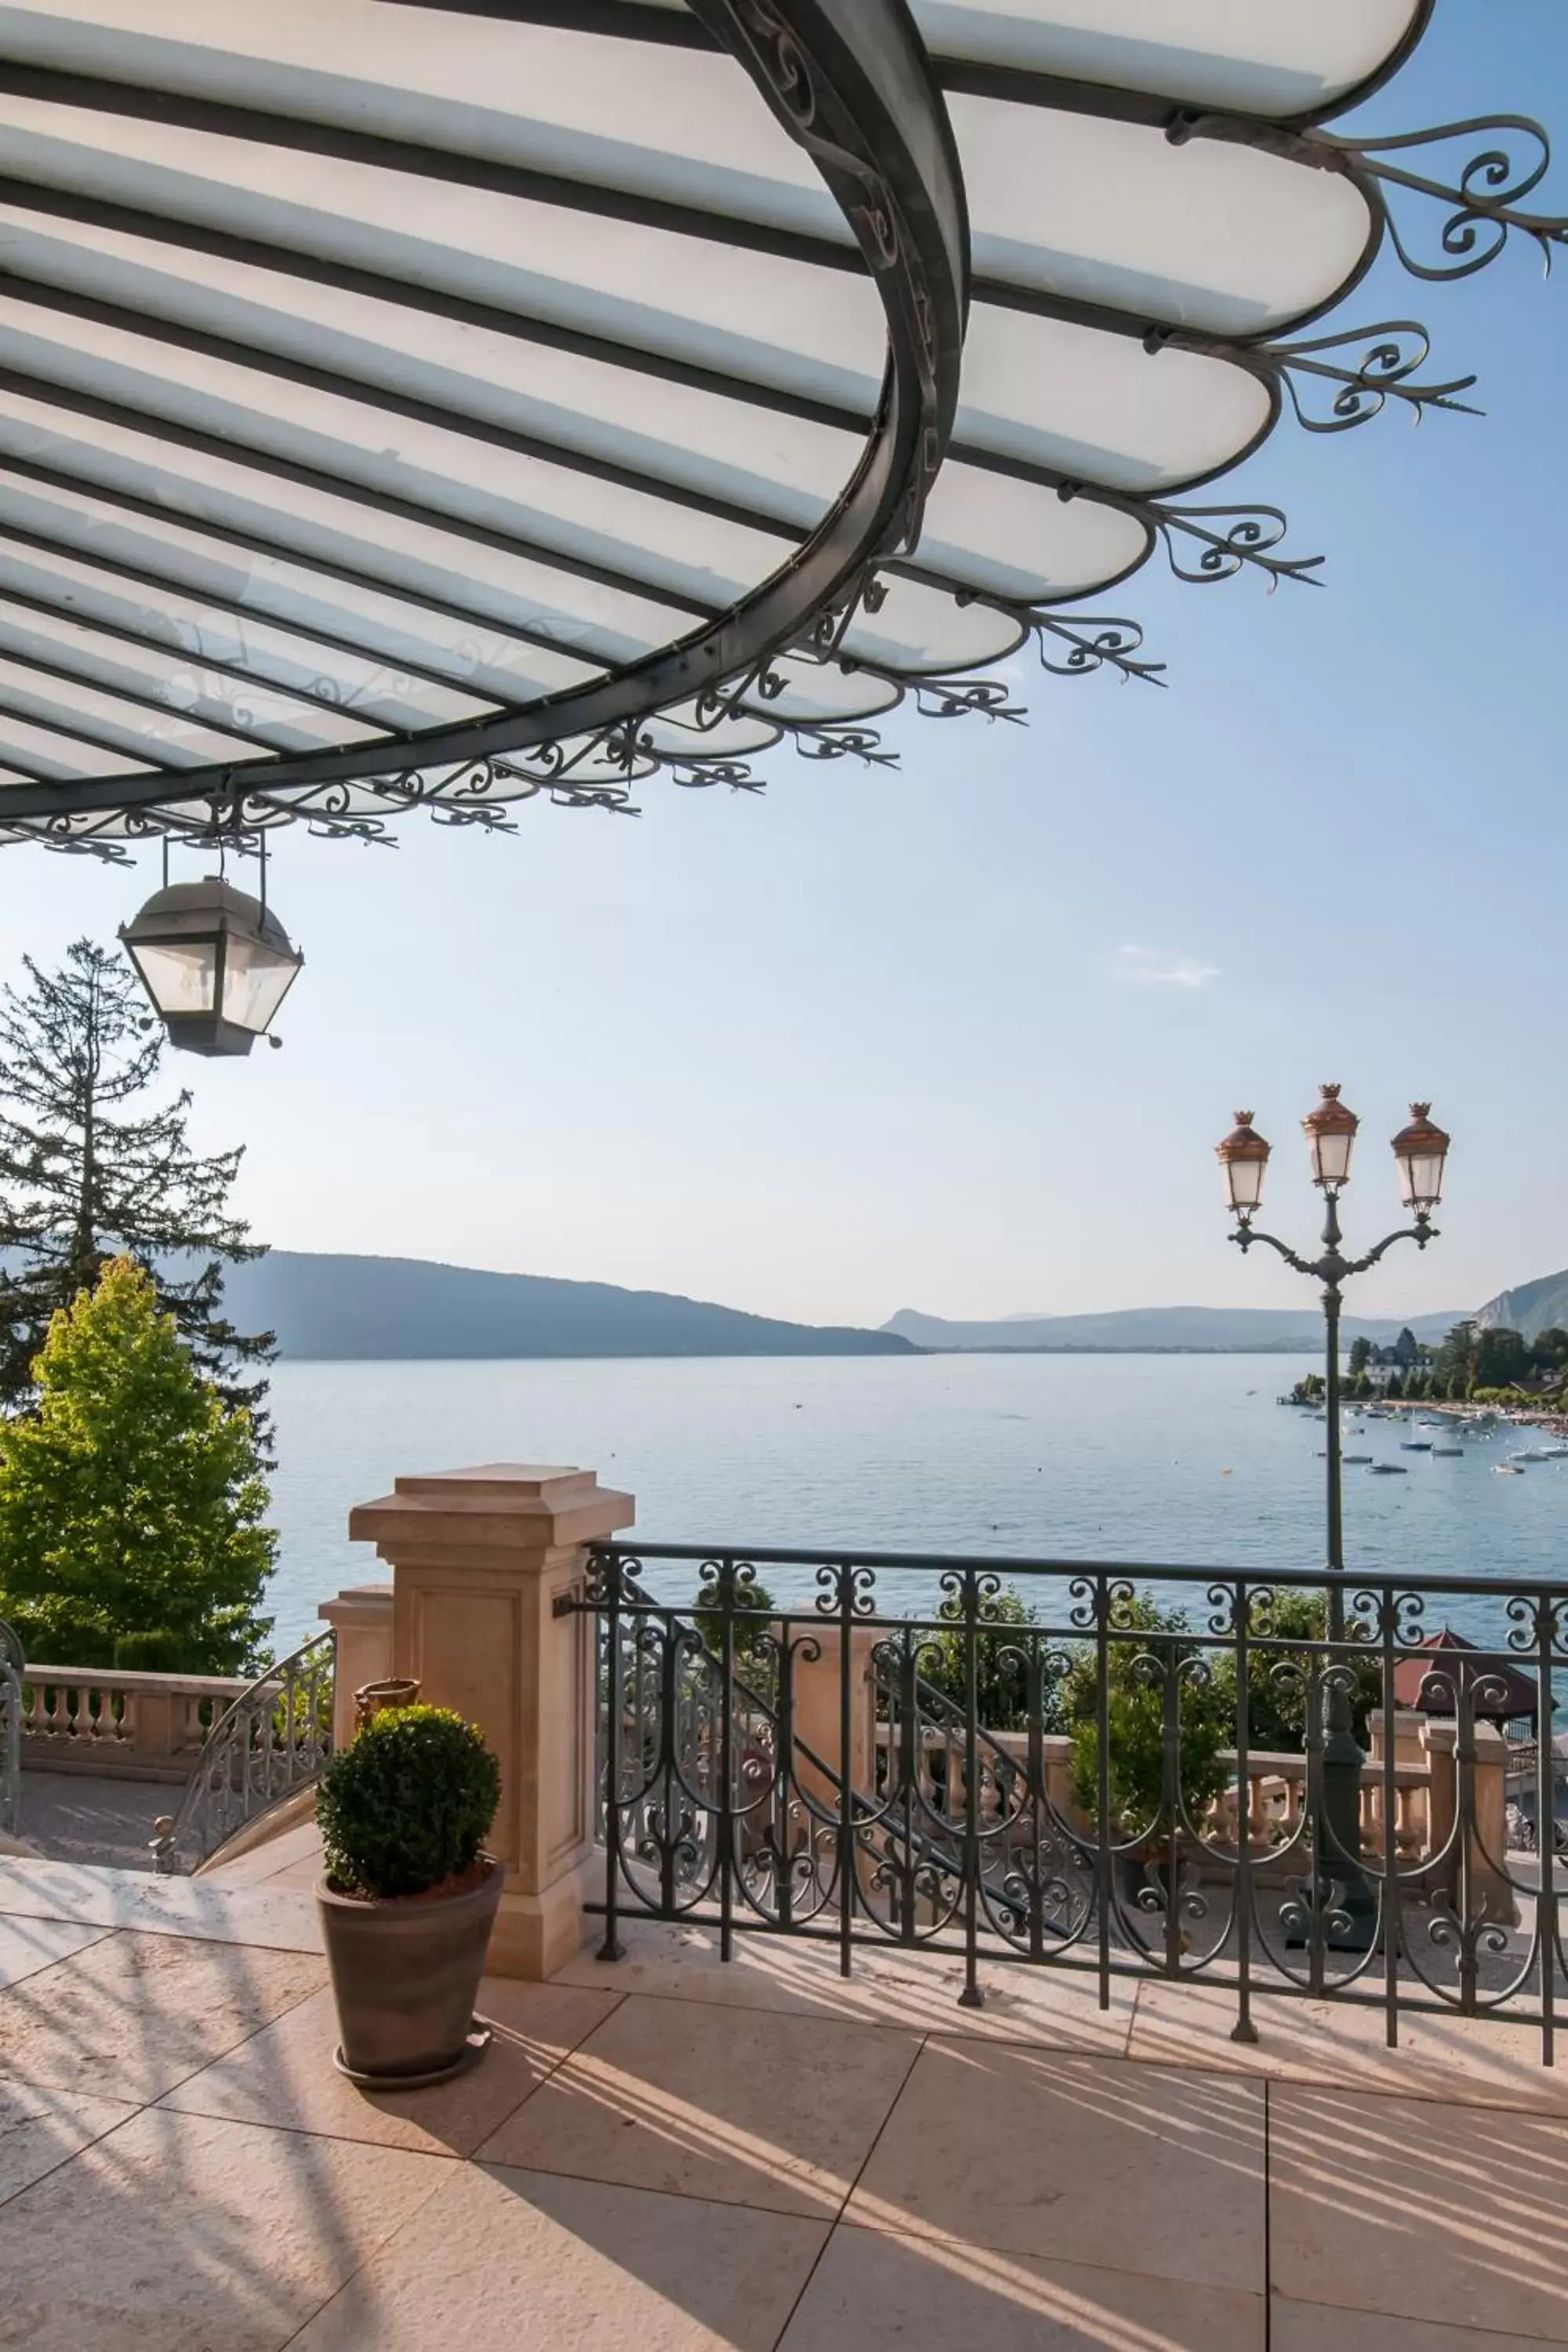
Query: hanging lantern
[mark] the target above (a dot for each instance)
(216, 963)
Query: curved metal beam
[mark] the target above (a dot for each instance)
(850, 83)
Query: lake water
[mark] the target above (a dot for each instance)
(1149, 1458)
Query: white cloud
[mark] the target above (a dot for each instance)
(1150, 969)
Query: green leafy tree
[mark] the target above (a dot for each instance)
(1001, 1671)
(1456, 1359)
(1549, 1352)
(1502, 1358)
(131, 1499)
(1206, 1714)
(1361, 1354)
(1277, 1676)
(89, 1169)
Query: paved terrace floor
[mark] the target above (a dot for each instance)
(673, 2155)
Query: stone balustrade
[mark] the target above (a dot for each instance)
(137, 1727)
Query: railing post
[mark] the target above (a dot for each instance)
(479, 1558)
(361, 1620)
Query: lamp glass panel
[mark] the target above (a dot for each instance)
(180, 975)
(1244, 1181)
(1331, 1158)
(1421, 1179)
(256, 980)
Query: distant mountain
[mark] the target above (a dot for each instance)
(1533, 1307)
(1276, 1328)
(357, 1308)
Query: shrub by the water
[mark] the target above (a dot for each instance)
(407, 1803)
(132, 1498)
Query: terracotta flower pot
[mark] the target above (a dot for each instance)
(405, 1974)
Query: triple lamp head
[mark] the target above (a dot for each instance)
(1419, 1152)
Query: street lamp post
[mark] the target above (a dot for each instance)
(1420, 1150)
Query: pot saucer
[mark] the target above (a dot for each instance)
(480, 2036)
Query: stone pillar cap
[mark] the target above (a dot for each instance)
(357, 1601)
(505, 1503)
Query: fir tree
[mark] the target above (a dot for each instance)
(88, 1170)
(130, 1501)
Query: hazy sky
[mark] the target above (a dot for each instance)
(963, 1036)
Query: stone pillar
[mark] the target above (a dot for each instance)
(478, 1558)
(361, 1617)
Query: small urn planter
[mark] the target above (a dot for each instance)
(408, 1897)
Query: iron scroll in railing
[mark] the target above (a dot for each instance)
(270, 1744)
(1114, 1769)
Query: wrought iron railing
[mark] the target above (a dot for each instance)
(12, 1663)
(1107, 1769)
(270, 1744)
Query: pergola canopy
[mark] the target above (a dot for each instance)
(433, 404)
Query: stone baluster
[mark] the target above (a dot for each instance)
(1479, 1787)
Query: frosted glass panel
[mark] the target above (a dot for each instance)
(986, 531)
(1099, 408)
(181, 978)
(1214, 236)
(1288, 56)
(254, 984)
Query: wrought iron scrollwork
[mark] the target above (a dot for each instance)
(1485, 199)
(1380, 365)
(1031, 1766)
(272, 1742)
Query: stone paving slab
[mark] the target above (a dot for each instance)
(278, 1919)
(185, 2234)
(1436, 2214)
(504, 2261)
(1096, 2160)
(284, 2074)
(909, 1992)
(92, 1816)
(1482, 2062)
(29, 1945)
(41, 2128)
(133, 2015)
(728, 2105)
(1320, 2327)
(878, 2293)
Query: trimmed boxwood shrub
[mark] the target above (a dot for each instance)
(407, 1803)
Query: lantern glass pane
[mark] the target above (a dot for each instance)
(1421, 1179)
(180, 975)
(1332, 1158)
(256, 980)
(1244, 1178)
